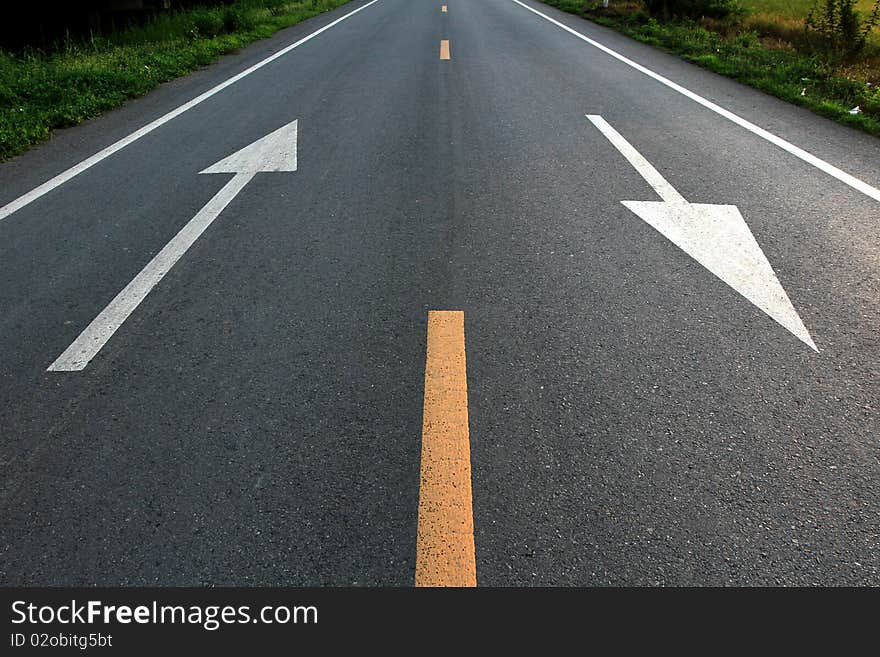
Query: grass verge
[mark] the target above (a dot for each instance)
(78, 79)
(756, 57)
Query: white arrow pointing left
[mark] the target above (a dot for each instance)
(274, 152)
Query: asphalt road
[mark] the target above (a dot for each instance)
(257, 419)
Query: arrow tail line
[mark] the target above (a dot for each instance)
(645, 169)
(80, 353)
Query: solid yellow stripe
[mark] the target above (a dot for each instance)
(445, 541)
(444, 49)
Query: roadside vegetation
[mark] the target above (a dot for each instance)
(76, 79)
(821, 54)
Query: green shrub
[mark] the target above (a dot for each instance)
(239, 18)
(206, 23)
(835, 26)
(748, 39)
(871, 103)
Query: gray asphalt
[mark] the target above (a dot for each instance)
(257, 420)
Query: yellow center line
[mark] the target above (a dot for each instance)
(445, 540)
(444, 49)
(443, 9)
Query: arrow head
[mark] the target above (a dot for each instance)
(718, 238)
(274, 152)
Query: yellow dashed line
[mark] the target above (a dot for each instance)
(443, 9)
(444, 49)
(445, 541)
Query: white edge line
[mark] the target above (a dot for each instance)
(77, 169)
(809, 158)
(95, 335)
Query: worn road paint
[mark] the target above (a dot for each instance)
(443, 9)
(274, 152)
(787, 146)
(716, 236)
(445, 541)
(444, 49)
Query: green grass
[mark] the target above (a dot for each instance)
(784, 19)
(77, 80)
(768, 62)
(791, 9)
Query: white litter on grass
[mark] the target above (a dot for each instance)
(804, 91)
(856, 110)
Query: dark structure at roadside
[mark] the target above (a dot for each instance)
(41, 24)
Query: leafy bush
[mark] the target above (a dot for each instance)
(836, 26)
(206, 23)
(871, 103)
(239, 18)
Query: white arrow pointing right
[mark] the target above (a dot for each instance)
(716, 236)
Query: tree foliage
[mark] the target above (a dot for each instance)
(693, 9)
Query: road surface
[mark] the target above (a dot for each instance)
(683, 389)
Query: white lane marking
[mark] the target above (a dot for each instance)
(658, 183)
(787, 146)
(269, 153)
(102, 328)
(273, 152)
(77, 169)
(716, 236)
